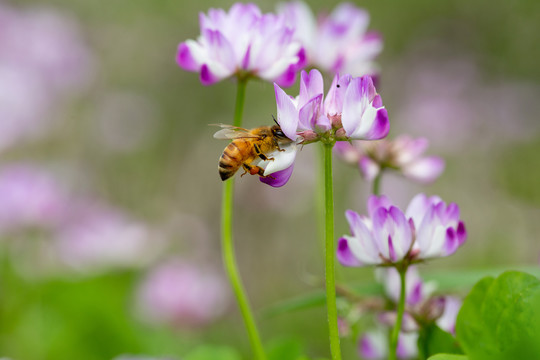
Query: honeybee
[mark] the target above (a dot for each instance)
(246, 146)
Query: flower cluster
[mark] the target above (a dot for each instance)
(242, 42)
(403, 154)
(338, 42)
(351, 109)
(43, 60)
(429, 228)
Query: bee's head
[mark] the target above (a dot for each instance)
(278, 133)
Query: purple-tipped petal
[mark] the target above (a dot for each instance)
(375, 202)
(461, 233)
(369, 168)
(345, 255)
(451, 243)
(391, 250)
(373, 346)
(309, 113)
(401, 232)
(333, 104)
(288, 78)
(359, 118)
(311, 85)
(207, 77)
(380, 127)
(278, 178)
(185, 59)
(377, 101)
(425, 170)
(287, 115)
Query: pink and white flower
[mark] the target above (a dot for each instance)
(43, 60)
(245, 42)
(429, 228)
(403, 154)
(182, 294)
(338, 42)
(352, 109)
(30, 197)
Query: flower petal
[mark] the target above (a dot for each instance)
(424, 170)
(369, 168)
(184, 57)
(309, 113)
(282, 159)
(311, 85)
(345, 255)
(278, 178)
(287, 114)
(333, 104)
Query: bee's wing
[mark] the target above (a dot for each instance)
(232, 132)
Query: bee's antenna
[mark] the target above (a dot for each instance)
(275, 120)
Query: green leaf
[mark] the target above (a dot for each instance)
(448, 357)
(285, 349)
(500, 318)
(318, 299)
(466, 278)
(433, 340)
(210, 352)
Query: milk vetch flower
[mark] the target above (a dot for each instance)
(403, 154)
(429, 228)
(352, 109)
(242, 42)
(338, 42)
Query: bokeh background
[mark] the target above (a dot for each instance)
(110, 196)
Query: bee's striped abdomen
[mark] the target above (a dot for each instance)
(231, 159)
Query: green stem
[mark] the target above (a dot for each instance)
(377, 184)
(229, 257)
(319, 197)
(330, 254)
(401, 308)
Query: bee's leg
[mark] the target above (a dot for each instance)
(260, 154)
(247, 169)
(277, 146)
(255, 170)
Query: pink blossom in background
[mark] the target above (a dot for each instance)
(338, 42)
(403, 154)
(30, 197)
(182, 294)
(98, 237)
(373, 345)
(447, 321)
(416, 290)
(451, 103)
(43, 60)
(242, 41)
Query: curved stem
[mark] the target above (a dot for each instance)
(377, 184)
(330, 254)
(229, 257)
(401, 308)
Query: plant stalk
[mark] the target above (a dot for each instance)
(229, 257)
(400, 310)
(330, 254)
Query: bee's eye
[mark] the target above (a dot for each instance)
(279, 133)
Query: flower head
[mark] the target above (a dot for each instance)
(352, 109)
(403, 154)
(179, 293)
(429, 228)
(245, 42)
(338, 42)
